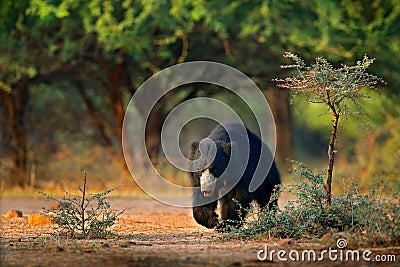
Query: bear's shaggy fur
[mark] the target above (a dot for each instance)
(203, 212)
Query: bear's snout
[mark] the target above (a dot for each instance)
(206, 193)
(207, 183)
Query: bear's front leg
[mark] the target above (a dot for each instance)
(203, 212)
(234, 206)
(205, 215)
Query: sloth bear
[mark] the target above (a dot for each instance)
(212, 180)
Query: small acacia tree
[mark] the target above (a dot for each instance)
(85, 215)
(337, 88)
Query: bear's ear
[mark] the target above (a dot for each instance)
(194, 146)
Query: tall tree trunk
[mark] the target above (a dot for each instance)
(278, 100)
(115, 79)
(153, 132)
(15, 104)
(154, 121)
(115, 76)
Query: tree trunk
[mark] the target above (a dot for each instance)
(154, 121)
(153, 132)
(278, 100)
(331, 155)
(15, 104)
(115, 76)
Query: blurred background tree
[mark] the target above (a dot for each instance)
(68, 69)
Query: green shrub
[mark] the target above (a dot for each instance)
(309, 216)
(86, 216)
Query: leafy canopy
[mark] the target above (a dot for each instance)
(323, 83)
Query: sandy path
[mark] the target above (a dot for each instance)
(132, 205)
(149, 234)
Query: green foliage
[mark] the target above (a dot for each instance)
(48, 42)
(86, 216)
(362, 216)
(323, 83)
(368, 145)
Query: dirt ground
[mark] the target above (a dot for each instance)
(148, 234)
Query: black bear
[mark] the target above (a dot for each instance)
(212, 180)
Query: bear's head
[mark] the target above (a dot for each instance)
(210, 160)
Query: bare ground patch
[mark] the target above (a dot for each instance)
(149, 234)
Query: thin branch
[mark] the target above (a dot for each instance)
(83, 202)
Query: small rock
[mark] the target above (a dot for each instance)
(38, 219)
(13, 214)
